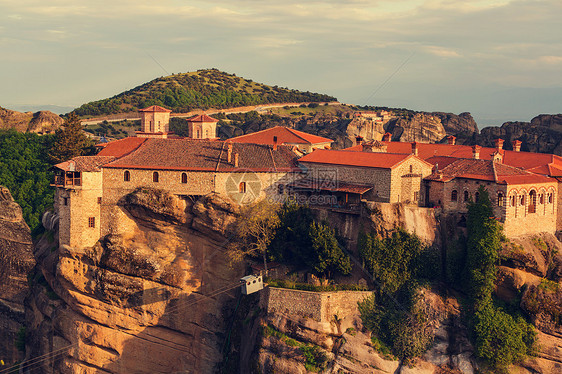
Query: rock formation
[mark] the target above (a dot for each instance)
(543, 134)
(42, 122)
(149, 298)
(16, 260)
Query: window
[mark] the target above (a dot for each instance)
(280, 189)
(549, 196)
(155, 177)
(92, 222)
(65, 200)
(454, 195)
(242, 187)
(522, 200)
(99, 200)
(416, 195)
(127, 176)
(532, 201)
(512, 200)
(183, 178)
(541, 198)
(476, 196)
(465, 196)
(198, 134)
(411, 168)
(500, 199)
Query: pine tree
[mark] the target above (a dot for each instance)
(70, 141)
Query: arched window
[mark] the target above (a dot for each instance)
(198, 134)
(541, 198)
(155, 177)
(500, 199)
(411, 168)
(242, 187)
(465, 196)
(127, 176)
(512, 200)
(522, 200)
(532, 201)
(184, 178)
(550, 198)
(454, 195)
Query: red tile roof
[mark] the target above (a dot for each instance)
(540, 163)
(485, 170)
(206, 155)
(202, 118)
(363, 159)
(334, 186)
(85, 163)
(121, 147)
(155, 108)
(284, 135)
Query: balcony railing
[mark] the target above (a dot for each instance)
(70, 179)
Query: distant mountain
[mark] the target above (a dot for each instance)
(57, 109)
(41, 122)
(201, 89)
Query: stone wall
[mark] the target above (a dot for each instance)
(318, 306)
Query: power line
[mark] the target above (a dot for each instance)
(33, 363)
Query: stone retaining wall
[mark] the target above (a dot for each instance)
(318, 306)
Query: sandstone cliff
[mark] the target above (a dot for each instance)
(42, 122)
(543, 134)
(16, 260)
(141, 300)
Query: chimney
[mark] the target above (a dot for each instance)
(358, 140)
(275, 143)
(229, 153)
(451, 140)
(476, 152)
(387, 137)
(236, 160)
(415, 148)
(516, 145)
(499, 144)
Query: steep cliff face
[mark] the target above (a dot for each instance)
(38, 122)
(457, 124)
(149, 299)
(16, 260)
(543, 134)
(422, 127)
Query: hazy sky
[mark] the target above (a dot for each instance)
(498, 59)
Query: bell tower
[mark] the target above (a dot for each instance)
(155, 122)
(202, 127)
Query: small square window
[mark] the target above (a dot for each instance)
(99, 200)
(92, 222)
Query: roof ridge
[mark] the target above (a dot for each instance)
(294, 132)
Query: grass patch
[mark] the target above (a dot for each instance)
(548, 285)
(310, 287)
(314, 357)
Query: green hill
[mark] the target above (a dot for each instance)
(209, 88)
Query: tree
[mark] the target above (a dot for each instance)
(255, 230)
(328, 256)
(70, 140)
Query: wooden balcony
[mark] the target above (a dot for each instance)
(69, 179)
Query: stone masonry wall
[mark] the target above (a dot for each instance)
(318, 306)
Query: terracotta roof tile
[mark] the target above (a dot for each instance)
(321, 185)
(206, 155)
(364, 159)
(85, 163)
(284, 135)
(202, 118)
(121, 147)
(155, 108)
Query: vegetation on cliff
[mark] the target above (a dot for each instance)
(289, 234)
(395, 313)
(24, 170)
(500, 338)
(208, 88)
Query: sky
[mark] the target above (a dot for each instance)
(501, 60)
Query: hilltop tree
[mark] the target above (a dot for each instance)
(70, 141)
